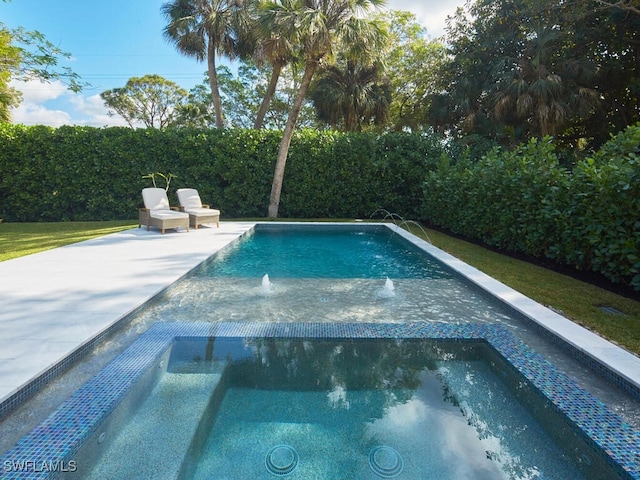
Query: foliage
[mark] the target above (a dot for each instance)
(243, 94)
(84, 173)
(600, 222)
(350, 95)
(521, 201)
(10, 59)
(39, 58)
(521, 69)
(524, 201)
(165, 177)
(25, 55)
(203, 29)
(412, 66)
(196, 111)
(151, 100)
(319, 29)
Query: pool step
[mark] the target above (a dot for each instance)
(153, 444)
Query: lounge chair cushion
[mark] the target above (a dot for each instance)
(158, 214)
(198, 213)
(166, 214)
(155, 199)
(189, 198)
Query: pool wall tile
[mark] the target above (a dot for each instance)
(58, 439)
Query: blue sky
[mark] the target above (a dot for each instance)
(112, 41)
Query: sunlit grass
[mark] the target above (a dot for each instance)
(20, 239)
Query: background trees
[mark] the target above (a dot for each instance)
(204, 29)
(412, 63)
(317, 27)
(350, 95)
(150, 100)
(526, 68)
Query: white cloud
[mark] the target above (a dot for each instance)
(32, 110)
(93, 105)
(430, 13)
(33, 114)
(36, 91)
(95, 111)
(54, 105)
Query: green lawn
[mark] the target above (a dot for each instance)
(19, 239)
(578, 300)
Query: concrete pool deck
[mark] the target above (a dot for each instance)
(54, 302)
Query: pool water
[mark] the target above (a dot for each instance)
(348, 409)
(339, 274)
(323, 253)
(325, 275)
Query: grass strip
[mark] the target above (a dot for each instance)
(575, 299)
(20, 239)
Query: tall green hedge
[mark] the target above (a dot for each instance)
(524, 201)
(83, 173)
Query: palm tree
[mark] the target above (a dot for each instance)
(277, 51)
(203, 29)
(318, 27)
(260, 47)
(543, 90)
(351, 93)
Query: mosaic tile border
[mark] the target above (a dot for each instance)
(35, 385)
(587, 360)
(50, 447)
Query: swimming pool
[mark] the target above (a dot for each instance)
(471, 402)
(370, 298)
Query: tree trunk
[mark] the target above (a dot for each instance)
(213, 83)
(271, 88)
(278, 175)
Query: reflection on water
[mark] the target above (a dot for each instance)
(441, 299)
(439, 405)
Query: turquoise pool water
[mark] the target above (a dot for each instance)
(323, 253)
(325, 274)
(320, 409)
(338, 273)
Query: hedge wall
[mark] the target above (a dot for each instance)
(524, 201)
(521, 201)
(83, 173)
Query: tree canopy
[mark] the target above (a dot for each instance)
(526, 68)
(26, 55)
(151, 100)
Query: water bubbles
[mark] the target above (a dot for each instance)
(266, 288)
(389, 289)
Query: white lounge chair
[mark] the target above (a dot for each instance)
(157, 212)
(199, 214)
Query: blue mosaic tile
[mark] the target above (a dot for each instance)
(60, 437)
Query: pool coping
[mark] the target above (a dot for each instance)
(50, 447)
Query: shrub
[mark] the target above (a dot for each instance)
(524, 201)
(83, 173)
